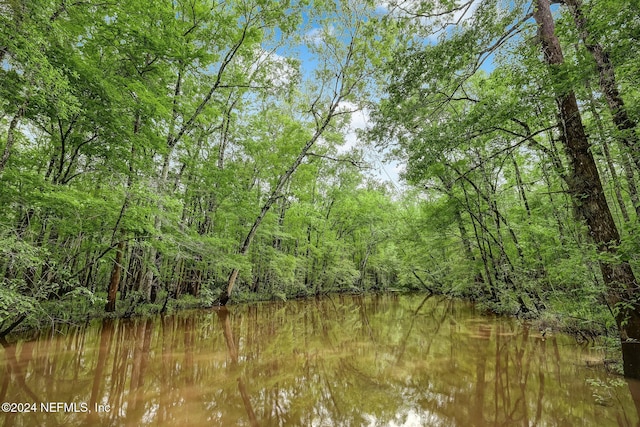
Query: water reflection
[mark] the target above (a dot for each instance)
(379, 360)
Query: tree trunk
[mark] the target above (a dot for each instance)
(464, 237)
(617, 188)
(626, 126)
(480, 240)
(631, 182)
(276, 194)
(11, 137)
(609, 87)
(115, 279)
(540, 268)
(586, 189)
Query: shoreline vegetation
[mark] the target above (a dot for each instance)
(201, 151)
(585, 331)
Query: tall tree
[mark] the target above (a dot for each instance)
(586, 189)
(441, 107)
(626, 125)
(343, 73)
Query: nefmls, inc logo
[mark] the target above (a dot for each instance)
(64, 407)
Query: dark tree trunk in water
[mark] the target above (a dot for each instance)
(586, 189)
(115, 279)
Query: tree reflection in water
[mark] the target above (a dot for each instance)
(344, 360)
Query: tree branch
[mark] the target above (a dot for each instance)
(354, 162)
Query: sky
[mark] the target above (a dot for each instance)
(387, 170)
(360, 120)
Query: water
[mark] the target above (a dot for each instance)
(339, 361)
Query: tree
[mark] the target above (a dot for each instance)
(343, 53)
(586, 189)
(625, 123)
(443, 111)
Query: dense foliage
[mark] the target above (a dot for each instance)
(145, 150)
(152, 157)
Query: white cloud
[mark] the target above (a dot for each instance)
(317, 35)
(383, 170)
(358, 120)
(276, 69)
(466, 12)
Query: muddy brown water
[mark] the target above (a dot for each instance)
(338, 361)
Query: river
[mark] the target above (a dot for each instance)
(342, 360)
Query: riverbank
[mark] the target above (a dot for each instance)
(559, 316)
